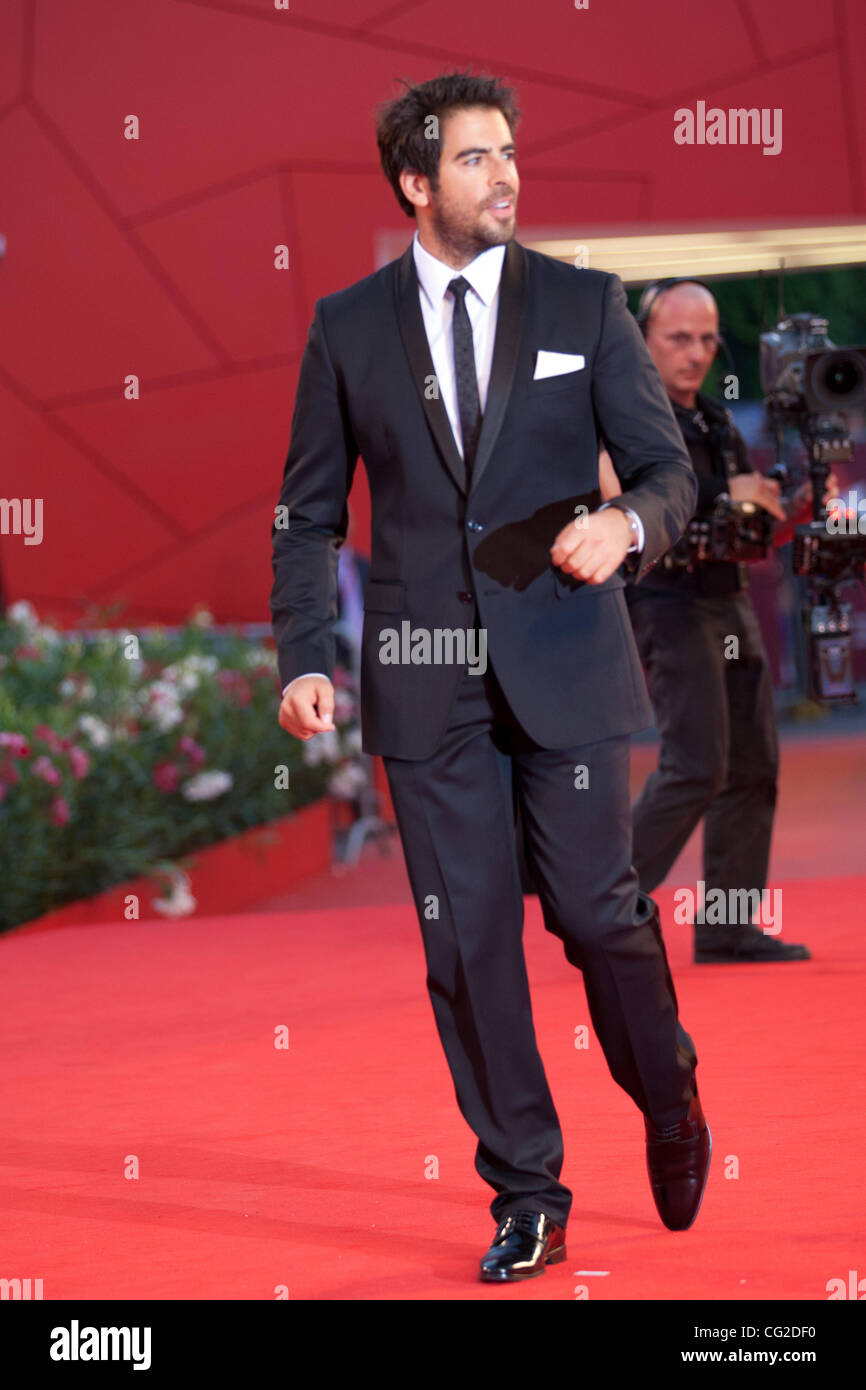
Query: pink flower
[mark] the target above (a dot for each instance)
(47, 735)
(166, 776)
(9, 773)
(17, 745)
(59, 811)
(235, 685)
(44, 768)
(27, 652)
(193, 751)
(79, 762)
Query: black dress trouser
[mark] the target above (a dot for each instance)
(455, 814)
(719, 752)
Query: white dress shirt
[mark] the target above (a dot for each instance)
(482, 305)
(437, 309)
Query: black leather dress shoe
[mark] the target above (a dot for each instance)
(719, 946)
(524, 1244)
(678, 1163)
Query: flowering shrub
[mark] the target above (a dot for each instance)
(117, 757)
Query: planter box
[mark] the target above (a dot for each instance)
(228, 877)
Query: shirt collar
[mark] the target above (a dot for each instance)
(702, 402)
(483, 274)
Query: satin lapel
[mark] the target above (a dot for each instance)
(509, 331)
(415, 342)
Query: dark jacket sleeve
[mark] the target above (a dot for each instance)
(312, 516)
(709, 488)
(640, 431)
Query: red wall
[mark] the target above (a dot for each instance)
(155, 257)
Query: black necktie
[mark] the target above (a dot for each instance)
(468, 402)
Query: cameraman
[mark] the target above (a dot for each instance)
(716, 718)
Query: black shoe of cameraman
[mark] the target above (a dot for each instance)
(721, 945)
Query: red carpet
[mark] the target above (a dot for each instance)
(306, 1167)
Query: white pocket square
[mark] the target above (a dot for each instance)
(556, 363)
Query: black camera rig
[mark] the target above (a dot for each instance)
(732, 532)
(810, 384)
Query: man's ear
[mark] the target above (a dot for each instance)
(415, 188)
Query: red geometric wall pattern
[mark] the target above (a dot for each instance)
(154, 257)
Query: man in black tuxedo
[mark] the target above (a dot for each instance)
(473, 376)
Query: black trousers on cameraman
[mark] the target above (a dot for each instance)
(719, 753)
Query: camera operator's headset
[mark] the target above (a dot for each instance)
(658, 287)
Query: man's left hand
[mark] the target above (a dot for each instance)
(592, 547)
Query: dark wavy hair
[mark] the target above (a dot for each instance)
(401, 124)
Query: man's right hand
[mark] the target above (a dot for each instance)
(308, 707)
(754, 487)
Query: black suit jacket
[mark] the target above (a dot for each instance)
(562, 649)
